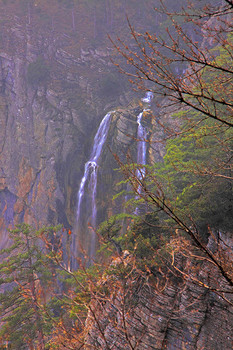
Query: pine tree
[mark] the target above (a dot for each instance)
(24, 270)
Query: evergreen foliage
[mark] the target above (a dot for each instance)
(196, 171)
(24, 270)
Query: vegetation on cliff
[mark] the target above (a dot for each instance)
(193, 184)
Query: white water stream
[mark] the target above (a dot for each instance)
(89, 179)
(142, 137)
(141, 146)
(142, 140)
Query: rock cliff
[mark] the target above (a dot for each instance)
(139, 311)
(50, 101)
(56, 84)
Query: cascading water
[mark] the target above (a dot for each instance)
(141, 136)
(90, 177)
(141, 146)
(148, 98)
(142, 140)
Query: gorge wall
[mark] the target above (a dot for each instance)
(42, 134)
(56, 84)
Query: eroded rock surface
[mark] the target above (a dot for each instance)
(139, 313)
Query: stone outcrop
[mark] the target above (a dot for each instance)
(139, 313)
(121, 144)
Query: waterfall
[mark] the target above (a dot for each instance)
(142, 135)
(142, 140)
(90, 178)
(148, 98)
(141, 146)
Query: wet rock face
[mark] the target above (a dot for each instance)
(44, 124)
(31, 141)
(123, 131)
